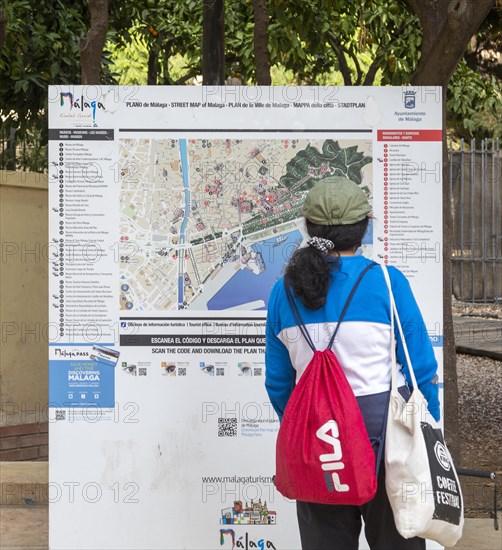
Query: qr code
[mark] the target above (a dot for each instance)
(257, 372)
(220, 371)
(60, 414)
(142, 371)
(182, 371)
(227, 427)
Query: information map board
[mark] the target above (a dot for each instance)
(172, 213)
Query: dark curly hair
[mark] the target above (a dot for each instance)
(308, 270)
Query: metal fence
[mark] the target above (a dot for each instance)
(7, 149)
(475, 180)
(27, 153)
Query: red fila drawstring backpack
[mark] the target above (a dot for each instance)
(323, 451)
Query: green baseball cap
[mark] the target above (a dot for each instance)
(336, 200)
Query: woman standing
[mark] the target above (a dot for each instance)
(321, 276)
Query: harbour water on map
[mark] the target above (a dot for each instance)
(245, 286)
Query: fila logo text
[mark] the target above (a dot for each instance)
(331, 462)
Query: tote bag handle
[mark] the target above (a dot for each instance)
(394, 318)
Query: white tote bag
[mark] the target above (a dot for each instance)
(421, 481)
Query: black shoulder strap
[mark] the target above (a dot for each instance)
(349, 299)
(298, 317)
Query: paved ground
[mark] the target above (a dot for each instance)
(478, 336)
(25, 528)
(479, 534)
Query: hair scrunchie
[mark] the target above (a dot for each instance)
(324, 246)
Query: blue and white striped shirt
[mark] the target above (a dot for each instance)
(362, 344)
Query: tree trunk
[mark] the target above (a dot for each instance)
(3, 28)
(334, 42)
(261, 54)
(213, 42)
(168, 50)
(153, 63)
(450, 379)
(447, 27)
(91, 46)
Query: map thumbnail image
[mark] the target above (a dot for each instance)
(210, 223)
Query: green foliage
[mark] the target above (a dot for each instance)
(311, 37)
(307, 41)
(474, 104)
(239, 29)
(311, 42)
(310, 165)
(128, 63)
(41, 48)
(164, 29)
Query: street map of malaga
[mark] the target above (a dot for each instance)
(208, 224)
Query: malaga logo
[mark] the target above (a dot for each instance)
(85, 108)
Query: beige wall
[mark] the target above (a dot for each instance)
(23, 297)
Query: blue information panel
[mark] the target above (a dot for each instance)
(83, 382)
